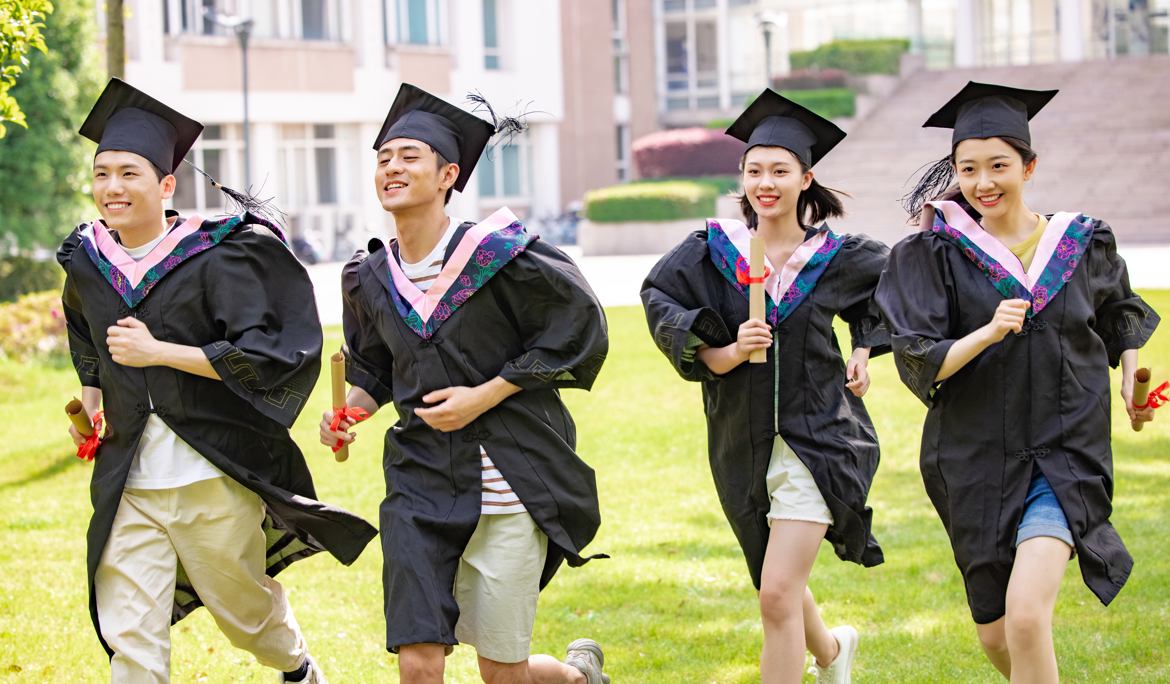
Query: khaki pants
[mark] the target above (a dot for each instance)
(498, 584)
(213, 528)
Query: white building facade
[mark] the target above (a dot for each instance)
(710, 54)
(321, 77)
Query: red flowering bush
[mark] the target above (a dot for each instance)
(33, 327)
(687, 153)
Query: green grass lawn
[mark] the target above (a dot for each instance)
(674, 604)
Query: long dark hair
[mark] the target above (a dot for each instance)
(938, 183)
(815, 204)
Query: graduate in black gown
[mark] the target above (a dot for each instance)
(1005, 324)
(201, 339)
(793, 451)
(469, 330)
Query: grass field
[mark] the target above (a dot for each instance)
(674, 604)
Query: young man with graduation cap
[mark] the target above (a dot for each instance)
(201, 339)
(793, 451)
(470, 330)
(1005, 324)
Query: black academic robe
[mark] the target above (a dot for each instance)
(234, 289)
(537, 324)
(818, 417)
(1038, 399)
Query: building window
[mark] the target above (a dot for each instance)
(276, 19)
(623, 153)
(313, 19)
(692, 57)
(505, 172)
(620, 50)
(318, 168)
(491, 38)
(418, 22)
(219, 152)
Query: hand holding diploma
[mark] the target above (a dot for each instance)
(86, 432)
(342, 417)
(1143, 402)
(756, 294)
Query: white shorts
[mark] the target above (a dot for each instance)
(498, 584)
(793, 491)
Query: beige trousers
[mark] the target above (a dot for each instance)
(497, 586)
(213, 528)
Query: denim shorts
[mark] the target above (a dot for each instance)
(1043, 516)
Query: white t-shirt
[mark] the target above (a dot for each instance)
(497, 497)
(164, 461)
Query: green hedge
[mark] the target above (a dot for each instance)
(665, 200)
(20, 275)
(830, 103)
(855, 56)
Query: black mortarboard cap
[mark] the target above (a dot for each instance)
(459, 136)
(985, 110)
(127, 119)
(776, 121)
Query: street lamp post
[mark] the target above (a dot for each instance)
(243, 29)
(767, 21)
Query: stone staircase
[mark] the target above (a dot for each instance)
(1103, 146)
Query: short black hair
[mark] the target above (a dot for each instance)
(442, 162)
(157, 171)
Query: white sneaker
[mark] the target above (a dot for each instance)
(315, 675)
(838, 671)
(586, 656)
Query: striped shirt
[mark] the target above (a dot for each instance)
(497, 497)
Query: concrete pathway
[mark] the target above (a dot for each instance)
(618, 279)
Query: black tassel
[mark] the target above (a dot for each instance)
(508, 127)
(933, 183)
(239, 202)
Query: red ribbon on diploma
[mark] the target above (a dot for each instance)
(88, 448)
(1156, 399)
(353, 416)
(745, 279)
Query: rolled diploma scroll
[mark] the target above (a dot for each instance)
(756, 293)
(79, 417)
(1141, 393)
(337, 366)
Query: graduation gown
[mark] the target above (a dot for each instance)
(1038, 399)
(233, 288)
(505, 304)
(700, 289)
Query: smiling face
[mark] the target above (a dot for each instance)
(127, 190)
(991, 175)
(773, 179)
(410, 174)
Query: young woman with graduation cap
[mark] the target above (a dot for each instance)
(469, 330)
(1005, 323)
(201, 340)
(792, 449)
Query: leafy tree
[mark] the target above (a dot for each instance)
(44, 170)
(20, 29)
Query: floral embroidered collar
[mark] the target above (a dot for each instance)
(483, 250)
(133, 280)
(728, 240)
(1060, 250)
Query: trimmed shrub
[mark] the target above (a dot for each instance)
(33, 327)
(811, 79)
(687, 153)
(854, 56)
(831, 103)
(21, 275)
(658, 201)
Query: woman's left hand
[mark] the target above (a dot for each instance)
(1136, 415)
(857, 373)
